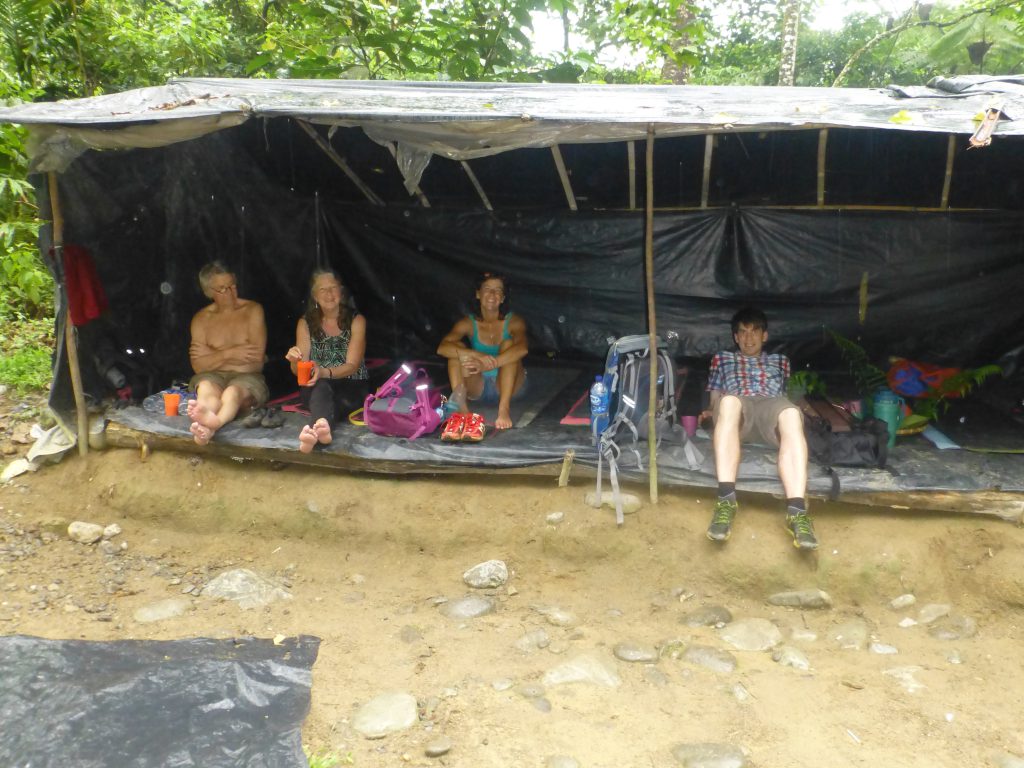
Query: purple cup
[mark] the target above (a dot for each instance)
(689, 424)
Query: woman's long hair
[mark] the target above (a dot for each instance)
(482, 278)
(315, 316)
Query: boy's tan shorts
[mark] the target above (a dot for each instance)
(759, 422)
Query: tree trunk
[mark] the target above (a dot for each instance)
(673, 71)
(790, 27)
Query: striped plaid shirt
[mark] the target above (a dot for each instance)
(737, 374)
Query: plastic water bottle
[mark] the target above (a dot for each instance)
(598, 407)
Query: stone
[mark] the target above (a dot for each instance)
(905, 677)
(708, 616)
(245, 587)
(851, 635)
(1007, 760)
(469, 607)
(555, 518)
(556, 616)
(709, 756)
(111, 531)
(805, 598)
(561, 761)
(882, 649)
(901, 602)
(751, 634)
(954, 627)
(487, 575)
(802, 635)
(635, 653)
(533, 640)
(655, 676)
(442, 745)
(385, 714)
(711, 658)
(583, 669)
(85, 533)
(502, 684)
(531, 690)
(630, 502)
(161, 610)
(788, 656)
(933, 612)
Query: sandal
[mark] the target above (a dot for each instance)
(452, 431)
(273, 419)
(253, 419)
(474, 429)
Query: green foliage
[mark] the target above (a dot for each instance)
(328, 759)
(805, 383)
(26, 346)
(936, 401)
(868, 377)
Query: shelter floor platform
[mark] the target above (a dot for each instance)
(995, 481)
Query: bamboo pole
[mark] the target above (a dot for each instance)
(652, 326)
(69, 332)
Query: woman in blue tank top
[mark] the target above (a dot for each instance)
(333, 335)
(485, 351)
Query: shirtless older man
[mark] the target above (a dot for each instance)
(229, 340)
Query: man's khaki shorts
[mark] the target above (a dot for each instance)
(759, 421)
(253, 383)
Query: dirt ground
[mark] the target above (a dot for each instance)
(366, 558)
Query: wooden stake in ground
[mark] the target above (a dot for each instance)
(69, 331)
(652, 326)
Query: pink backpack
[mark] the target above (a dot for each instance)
(403, 412)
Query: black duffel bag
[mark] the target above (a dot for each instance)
(864, 444)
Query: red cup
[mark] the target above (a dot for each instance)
(171, 402)
(304, 369)
(690, 425)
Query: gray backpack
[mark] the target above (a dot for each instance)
(628, 377)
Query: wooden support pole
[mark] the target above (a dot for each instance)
(340, 162)
(948, 180)
(822, 147)
(570, 196)
(631, 156)
(70, 344)
(652, 324)
(477, 185)
(705, 184)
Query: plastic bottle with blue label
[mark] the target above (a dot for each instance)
(598, 407)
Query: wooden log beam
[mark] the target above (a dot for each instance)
(563, 174)
(339, 161)
(477, 185)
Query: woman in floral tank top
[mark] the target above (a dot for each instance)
(333, 337)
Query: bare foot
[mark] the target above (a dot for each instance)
(201, 414)
(323, 431)
(201, 434)
(307, 439)
(504, 420)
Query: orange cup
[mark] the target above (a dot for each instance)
(171, 402)
(304, 369)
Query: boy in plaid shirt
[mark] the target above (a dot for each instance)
(748, 403)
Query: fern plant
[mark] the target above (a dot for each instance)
(867, 376)
(936, 401)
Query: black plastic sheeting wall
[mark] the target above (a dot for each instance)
(942, 287)
(151, 704)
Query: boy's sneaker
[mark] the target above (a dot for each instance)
(803, 532)
(721, 519)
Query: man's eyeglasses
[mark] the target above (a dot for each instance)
(224, 289)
